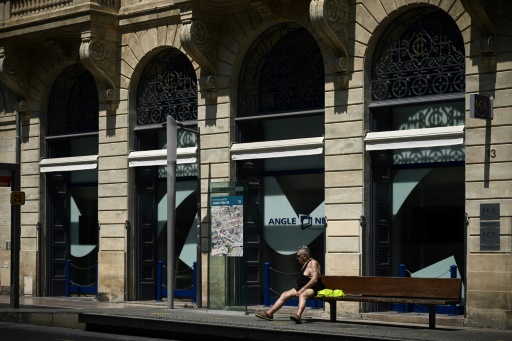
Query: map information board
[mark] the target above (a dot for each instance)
(227, 215)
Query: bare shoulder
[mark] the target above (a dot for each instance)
(314, 264)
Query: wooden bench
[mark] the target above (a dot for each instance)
(409, 290)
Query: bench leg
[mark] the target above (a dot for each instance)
(432, 317)
(332, 306)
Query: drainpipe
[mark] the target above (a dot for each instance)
(38, 259)
(127, 262)
(199, 291)
(15, 225)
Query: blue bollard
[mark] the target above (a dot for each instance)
(453, 274)
(159, 276)
(401, 272)
(68, 278)
(266, 284)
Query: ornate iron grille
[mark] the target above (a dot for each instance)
(74, 105)
(168, 86)
(283, 72)
(421, 53)
(429, 155)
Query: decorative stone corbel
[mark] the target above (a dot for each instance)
(330, 19)
(99, 57)
(14, 74)
(481, 12)
(199, 39)
(268, 9)
(485, 46)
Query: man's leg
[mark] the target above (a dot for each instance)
(302, 305)
(285, 296)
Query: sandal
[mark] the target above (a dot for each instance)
(296, 319)
(265, 316)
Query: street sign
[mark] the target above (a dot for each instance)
(17, 198)
(481, 106)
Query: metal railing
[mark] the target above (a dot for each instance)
(161, 288)
(80, 288)
(403, 272)
(311, 303)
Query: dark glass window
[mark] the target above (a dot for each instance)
(283, 72)
(73, 114)
(281, 88)
(168, 86)
(73, 106)
(421, 53)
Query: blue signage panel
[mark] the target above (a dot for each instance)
(481, 106)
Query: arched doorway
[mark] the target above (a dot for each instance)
(281, 102)
(168, 86)
(72, 180)
(416, 146)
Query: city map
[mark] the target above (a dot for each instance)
(227, 215)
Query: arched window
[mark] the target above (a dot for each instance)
(73, 105)
(416, 144)
(168, 86)
(71, 186)
(279, 149)
(283, 72)
(420, 54)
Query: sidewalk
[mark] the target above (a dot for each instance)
(185, 321)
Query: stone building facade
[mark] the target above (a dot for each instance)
(355, 113)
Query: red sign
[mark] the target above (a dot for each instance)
(5, 181)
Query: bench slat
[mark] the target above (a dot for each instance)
(408, 287)
(412, 290)
(380, 299)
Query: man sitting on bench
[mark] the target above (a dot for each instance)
(309, 282)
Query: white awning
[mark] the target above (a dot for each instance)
(73, 163)
(276, 149)
(414, 138)
(159, 157)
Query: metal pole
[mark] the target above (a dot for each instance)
(171, 206)
(38, 258)
(199, 295)
(15, 225)
(127, 262)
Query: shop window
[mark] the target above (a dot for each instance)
(168, 86)
(420, 54)
(73, 115)
(281, 91)
(418, 189)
